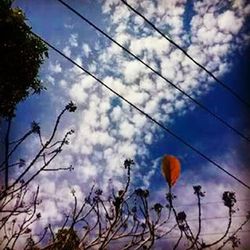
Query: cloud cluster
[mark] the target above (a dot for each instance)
(109, 130)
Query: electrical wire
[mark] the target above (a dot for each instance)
(236, 95)
(209, 234)
(208, 203)
(157, 73)
(143, 113)
(212, 218)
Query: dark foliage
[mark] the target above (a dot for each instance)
(21, 57)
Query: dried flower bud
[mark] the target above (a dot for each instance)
(71, 107)
(35, 127)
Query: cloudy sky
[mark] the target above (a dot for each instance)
(107, 130)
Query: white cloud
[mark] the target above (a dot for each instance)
(86, 49)
(150, 44)
(132, 71)
(126, 130)
(63, 83)
(122, 37)
(69, 26)
(67, 51)
(120, 14)
(73, 40)
(209, 21)
(77, 94)
(51, 79)
(127, 149)
(138, 98)
(151, 107)
(228, 22)
(107, 5)
(116, 113)
(86, 172)
(55, 68)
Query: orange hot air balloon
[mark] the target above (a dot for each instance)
(171, 169)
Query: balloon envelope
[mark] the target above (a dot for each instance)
(171, 169)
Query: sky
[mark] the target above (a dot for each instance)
(107, 130)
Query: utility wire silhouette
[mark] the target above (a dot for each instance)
(208, 203)
(190, 57)
(225, 218)
(143, 113)
(156, 72)
(217, 233)
(208, 234)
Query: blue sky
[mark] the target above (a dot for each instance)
(214, 34)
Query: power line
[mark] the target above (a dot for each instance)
(157, 72)
(217, 233)
(212, 218)
(186, 54)
(209, 234)
(208, 202)
(144, 113)
(217, 217)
